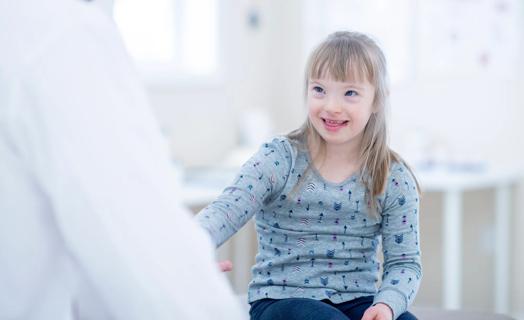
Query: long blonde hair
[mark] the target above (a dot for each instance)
(344, 56)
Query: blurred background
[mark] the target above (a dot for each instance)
(224, 75)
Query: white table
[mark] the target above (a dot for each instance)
(453, 185)
(207, 185)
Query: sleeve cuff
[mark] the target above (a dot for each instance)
(394, 299)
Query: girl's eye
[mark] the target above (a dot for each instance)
(318, 89)
(351, 93)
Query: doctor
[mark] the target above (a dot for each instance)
(89, 227)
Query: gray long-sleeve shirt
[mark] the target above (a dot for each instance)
(319, 240)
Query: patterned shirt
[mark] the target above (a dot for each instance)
(318, 239)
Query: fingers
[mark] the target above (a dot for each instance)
(370, 314)
(378, 312)
(225, 266)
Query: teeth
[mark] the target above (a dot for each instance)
(334, 121)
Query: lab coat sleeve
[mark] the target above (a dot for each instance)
(83, 126)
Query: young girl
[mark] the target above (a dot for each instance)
(323, 198)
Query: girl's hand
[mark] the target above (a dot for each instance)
(225, 266)
(380, 311)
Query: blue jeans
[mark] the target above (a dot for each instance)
(309, 309)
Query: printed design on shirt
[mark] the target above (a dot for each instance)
(395, 182)
(344, 282)
(410, 296)
(386, 219)
(240, 177)
(310, 239)
(310, 187)
(269, 152)
(299, 292)
(401, 200)
(312, 258)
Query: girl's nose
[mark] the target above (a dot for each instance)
(333, 105)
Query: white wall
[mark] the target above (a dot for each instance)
(197, 120)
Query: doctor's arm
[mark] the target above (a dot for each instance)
(100, 160)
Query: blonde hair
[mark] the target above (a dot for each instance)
(346, 56)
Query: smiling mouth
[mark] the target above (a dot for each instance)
(334, 123)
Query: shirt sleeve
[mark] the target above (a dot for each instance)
(259, 180)
(81, 123)
(400, 240)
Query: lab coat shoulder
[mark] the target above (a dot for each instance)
(29, 28)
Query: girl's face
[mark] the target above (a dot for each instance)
(339, 111)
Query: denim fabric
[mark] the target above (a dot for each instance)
(310, 309)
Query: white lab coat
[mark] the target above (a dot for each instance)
(88, 209)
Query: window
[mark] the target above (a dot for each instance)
(170, 35)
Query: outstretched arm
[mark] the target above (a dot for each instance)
(259, 179)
